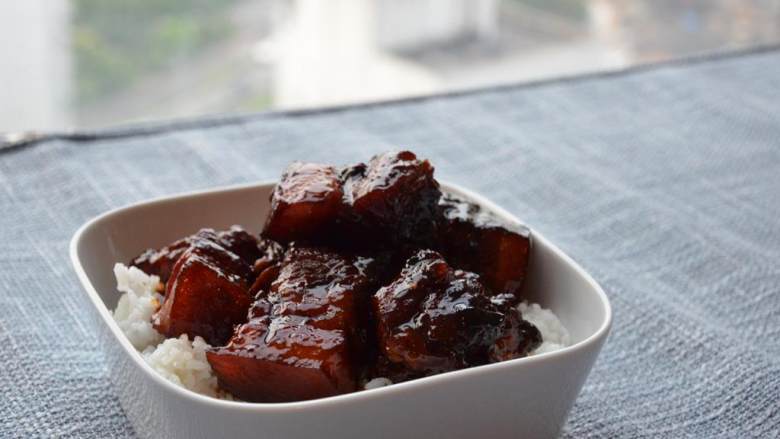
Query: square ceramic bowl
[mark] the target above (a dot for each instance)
(527, 397)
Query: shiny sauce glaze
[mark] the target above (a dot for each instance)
(308, 327)
(160, 262)
(360, 271)
(473, 239)
(433, 319)
(207, 292)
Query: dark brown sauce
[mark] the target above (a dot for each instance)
(309, 325)
(433, 319)
(362, 271)
(207, 292)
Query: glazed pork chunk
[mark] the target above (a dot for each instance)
(433, 319)
(207, 292)
(392, 200)
(160, 262)
(306, 334)
(473, 239)
(306, 205)
(206, 279)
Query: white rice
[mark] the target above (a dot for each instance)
(183, 361)
(554, 334)
(180, 360)
(377, 383)
(134, 311)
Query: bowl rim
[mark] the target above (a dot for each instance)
(595, 338)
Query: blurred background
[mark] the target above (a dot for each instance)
(90, 63)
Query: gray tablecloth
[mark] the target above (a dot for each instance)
(664, 182)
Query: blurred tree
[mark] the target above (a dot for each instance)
(115, 43)
(573, 9)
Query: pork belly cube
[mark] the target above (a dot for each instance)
(160, 262)
(330, 289)
(206, 294)
(305, 204)
(283, 359)
(394, 198)
(433, 319)
(306, 335)
(473, 239)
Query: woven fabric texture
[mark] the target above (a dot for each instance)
(663, 182)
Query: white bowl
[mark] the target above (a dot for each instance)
(527, 397)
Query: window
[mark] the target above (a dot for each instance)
(90, 63)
